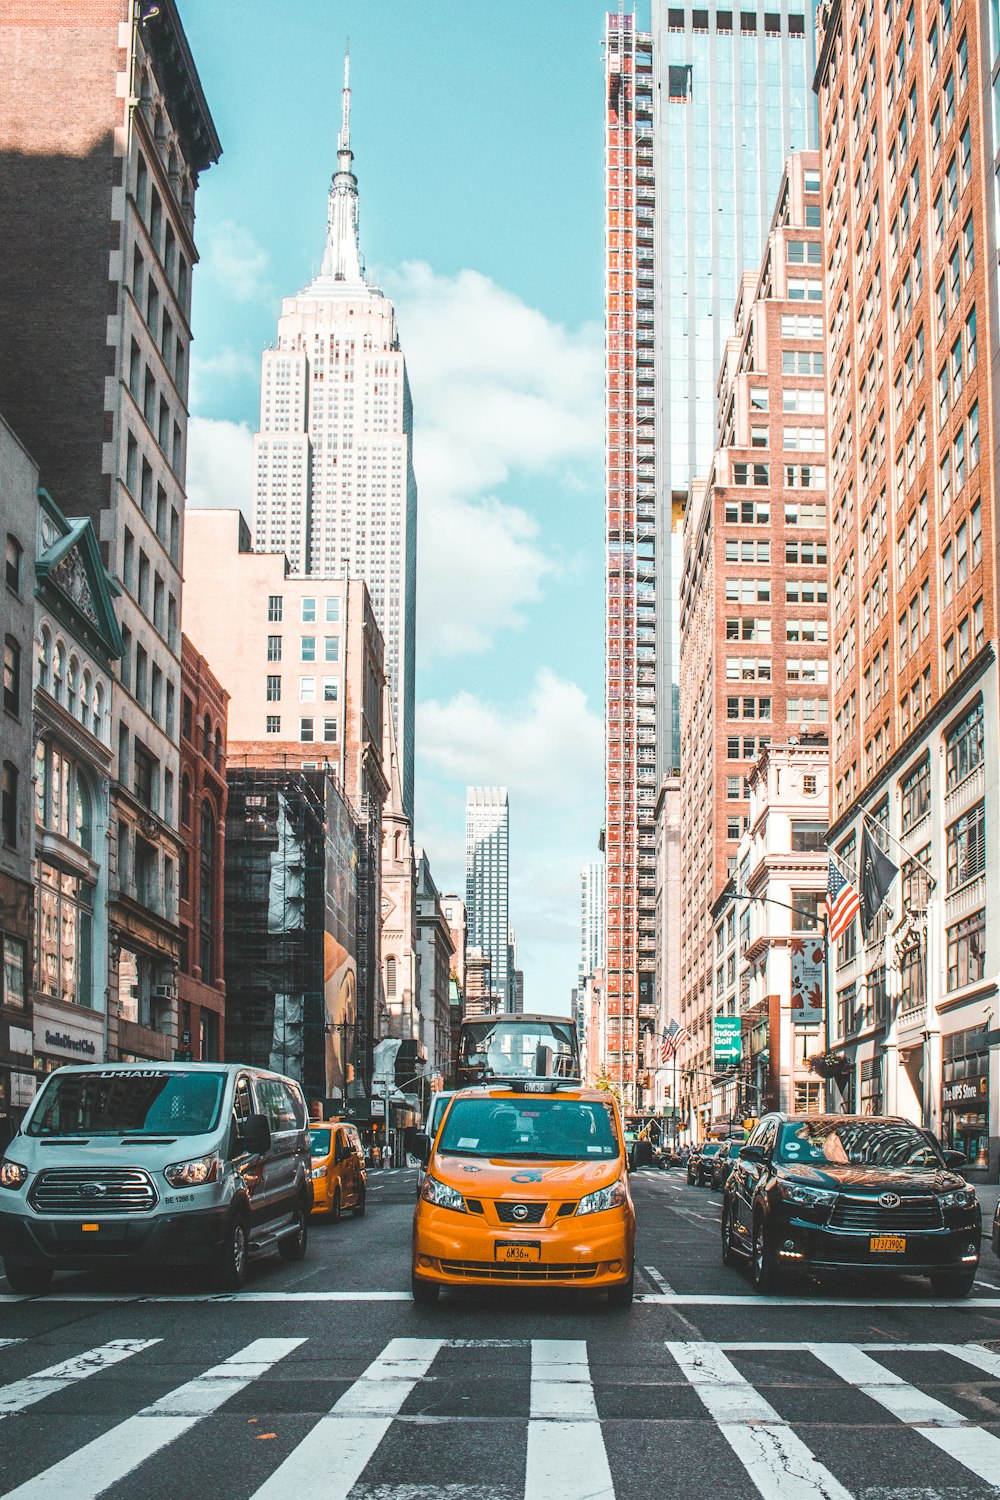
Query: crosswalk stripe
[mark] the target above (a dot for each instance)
(332, 1457)
(975, 1354)
(968, 1444)
(109, 1458)
(566, 1453)
(775, 1458)
(21, 1393)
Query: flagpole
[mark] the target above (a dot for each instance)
(910, 858)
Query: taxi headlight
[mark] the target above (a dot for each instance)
(12, 1174)
(800, 1192)
(441, 1194)
(193, 1173)
(607, 1197)
(318, 1172)
(963, 1197)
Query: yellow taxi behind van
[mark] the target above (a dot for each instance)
(526, 1185)
(338, 1170)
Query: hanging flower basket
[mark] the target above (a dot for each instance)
(830, 1065)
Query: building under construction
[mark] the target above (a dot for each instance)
(302, 916)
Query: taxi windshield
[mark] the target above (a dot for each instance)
(858, 1143)
(320, 1142)
(535, 1129)
(147, 1101)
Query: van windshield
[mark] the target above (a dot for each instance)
(546, 1129)
(147, 1101)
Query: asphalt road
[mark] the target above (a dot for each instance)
(323, 1380)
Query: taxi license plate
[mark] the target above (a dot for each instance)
(517, 1250)
(887, 1244)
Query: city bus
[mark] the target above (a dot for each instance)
(516, 1047)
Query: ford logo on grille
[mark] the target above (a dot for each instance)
(519, 1211)
(92, 1190)
(889, 1200)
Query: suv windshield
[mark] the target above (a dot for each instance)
(711, 1148)
(858, 1143)
(547, 1129)
(143, 1102)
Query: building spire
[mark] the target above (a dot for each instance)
(342, 256)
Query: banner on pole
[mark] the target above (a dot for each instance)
(807, 976)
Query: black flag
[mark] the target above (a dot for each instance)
(877, 874)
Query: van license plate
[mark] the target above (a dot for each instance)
(517, 1250)
(887, 1244)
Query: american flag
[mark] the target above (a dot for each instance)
(842, 903)
(674, 1037)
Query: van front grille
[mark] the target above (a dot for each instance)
(520, 1213)
(81, 1190)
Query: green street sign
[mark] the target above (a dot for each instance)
(727, 1041)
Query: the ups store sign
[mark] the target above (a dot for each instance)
(966, 1093)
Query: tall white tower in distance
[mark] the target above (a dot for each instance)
(333, 482)
(487, 835)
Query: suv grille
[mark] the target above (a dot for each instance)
(80, 1190)
(529, 1213)
(866, 1215)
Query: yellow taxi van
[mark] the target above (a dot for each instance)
(338, 1170)
(526, 1184)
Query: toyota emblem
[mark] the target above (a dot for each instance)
(889, 1200)
(519, 1212)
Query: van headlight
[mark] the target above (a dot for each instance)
(193, 1173)
(441, 1194)
(12, 1174)
(606, 1197)
(964, 1197)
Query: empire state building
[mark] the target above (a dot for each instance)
(334, 487)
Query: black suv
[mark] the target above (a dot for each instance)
(699, 1167)
(850, 1193)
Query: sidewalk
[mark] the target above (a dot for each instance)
(987, 1193)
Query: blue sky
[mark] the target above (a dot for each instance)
(477, 131)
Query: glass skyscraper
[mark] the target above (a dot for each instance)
(732, 97)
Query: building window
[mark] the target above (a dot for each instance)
(308, 648)
(915, 792)
(8, 805)
(11, 675)
(273, 689)
(964, 746)
(967, 951)
(14, 965)
(966, 847)
(332, 610)
(390, 977)
(144, 777)
(274, 648)
(307, 690)
(274, 608)
(306, 730)
(808, 838)
(13, 558)
(308, 611)
(206, 893)
(331, 648)
(330, 731)
(186, 800)
(64, 929)
(805, 916)
(274, 723)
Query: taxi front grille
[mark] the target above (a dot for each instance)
(520, 1213)
(488, 1270)
(81, 1190)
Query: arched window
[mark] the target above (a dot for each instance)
(390, 978)
(218, 749)
(206, 894)
(98, 721)
(45, 658)
(206, 738)
(397, 844)
(58, 670)
(73, 685)
(83, 820)
(86, 697)
(186, 800)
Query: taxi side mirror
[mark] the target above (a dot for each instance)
(422, 1149)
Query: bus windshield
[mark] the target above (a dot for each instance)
(517, 1047)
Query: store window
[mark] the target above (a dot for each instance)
(965, 1096)
(870, 1087)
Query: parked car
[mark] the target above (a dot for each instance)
(339, 1178)
(722, 1163)
(867, 1194)
(197, 1164)
(699, 1167)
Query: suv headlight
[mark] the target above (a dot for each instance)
(12, 1174)
(963, 1197)
(193, 1173)
(441, 1194)
(606, 1197)
(800, 1192)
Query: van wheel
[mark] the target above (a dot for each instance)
(335, 1208)
(359, 1208)
(293, 1246)
(423, 1291)
(28, 1278)
(231, 1265)
(621, 1296)
(943, 1284)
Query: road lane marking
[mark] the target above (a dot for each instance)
(331, 1458)
(941, 1425)
(650, 1299)
(775, 1458)
(566, 1453)
(109, 1458)
(658, 1281)
(22, 1393)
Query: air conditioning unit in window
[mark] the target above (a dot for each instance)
(164, 991)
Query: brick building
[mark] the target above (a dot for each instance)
(754, 602)
(910, 239)
(201, 985)
(96, 256)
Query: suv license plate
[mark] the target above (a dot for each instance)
(515, 1250)
(887, 1244)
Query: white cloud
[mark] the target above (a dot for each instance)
(220, 464)
(234, 262)
(500, 391)
(210, 371)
